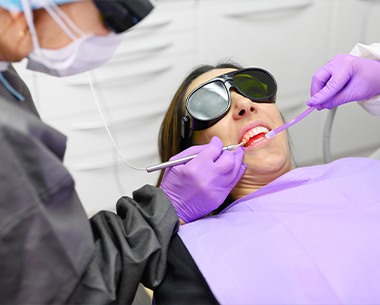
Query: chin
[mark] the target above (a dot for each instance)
(275, 164)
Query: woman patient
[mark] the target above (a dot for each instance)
(284, 235)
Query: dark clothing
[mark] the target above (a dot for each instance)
(49, 252)
(184, 283)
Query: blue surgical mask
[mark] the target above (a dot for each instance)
(16, 5)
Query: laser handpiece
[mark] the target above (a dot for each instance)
(171, 163)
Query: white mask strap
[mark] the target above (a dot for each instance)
(64, 21)
(29, 20)
(56, 13)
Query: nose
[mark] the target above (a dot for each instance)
(241, 106)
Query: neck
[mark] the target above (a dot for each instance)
(252, 182)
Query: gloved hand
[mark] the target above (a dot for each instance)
(202, 184)
(344, 79)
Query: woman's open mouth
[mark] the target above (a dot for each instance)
(254, 135)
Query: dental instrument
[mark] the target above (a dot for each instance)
(163, 165)
(301, 116)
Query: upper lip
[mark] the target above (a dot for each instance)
(252, 126)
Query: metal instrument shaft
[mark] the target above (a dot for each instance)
(164, 165)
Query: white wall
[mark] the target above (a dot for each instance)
(290, 38)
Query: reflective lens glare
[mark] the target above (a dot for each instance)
(210, 102)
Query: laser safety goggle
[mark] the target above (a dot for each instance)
(120, 15)
(211, 101)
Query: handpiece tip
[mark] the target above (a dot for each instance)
(233, 146)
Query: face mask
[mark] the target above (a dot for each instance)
(83, 54)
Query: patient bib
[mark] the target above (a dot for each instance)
(310, 237)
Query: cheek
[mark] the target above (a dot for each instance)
(271, 113)
(220, 130)
(201, 137)
(280, 146)
(276, 116)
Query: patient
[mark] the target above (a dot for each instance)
(284, 235)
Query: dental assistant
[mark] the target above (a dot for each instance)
(50, 253)
(347, 78)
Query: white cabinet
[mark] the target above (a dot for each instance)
(354, 21)
(290, 38)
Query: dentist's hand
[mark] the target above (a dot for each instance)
(344, 79)
(202, 184)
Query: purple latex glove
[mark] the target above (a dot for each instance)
(344, 79)
(202, 184)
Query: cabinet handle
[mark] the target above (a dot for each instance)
(138, 50)
(92, 125)
(120, 78)
(150, 24)
(270, 8)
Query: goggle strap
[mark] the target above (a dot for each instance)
(185, 127)
(122, 14)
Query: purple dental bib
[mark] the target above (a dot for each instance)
(310, 237)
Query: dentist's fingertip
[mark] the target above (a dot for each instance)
(216, 138)
(216, 141)
(312, 102)
(319, 107)
(239, 151)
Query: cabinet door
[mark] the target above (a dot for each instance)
(371, 24)
(353, 21)
(288, 38)
(354, 131)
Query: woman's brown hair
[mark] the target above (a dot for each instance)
(170, 141)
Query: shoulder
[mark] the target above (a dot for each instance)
(12, 79)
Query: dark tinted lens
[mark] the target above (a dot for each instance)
(208, 102)
(255, 84)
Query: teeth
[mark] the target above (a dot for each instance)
(253, 132)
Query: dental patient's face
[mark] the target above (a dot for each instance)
(248, 121)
